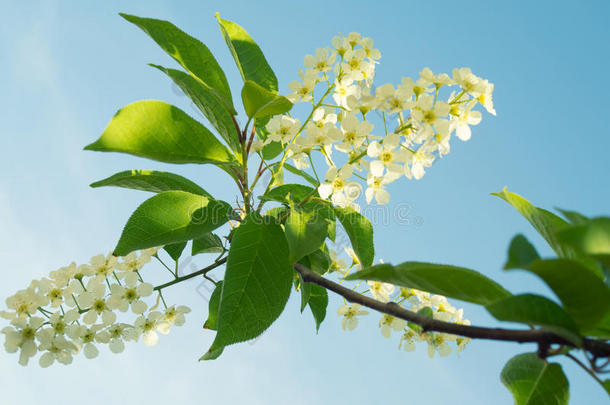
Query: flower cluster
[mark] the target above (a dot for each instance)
(435, 306)
(76, 308)
(417, 123)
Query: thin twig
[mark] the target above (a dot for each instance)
(582, 365)
(195, 274)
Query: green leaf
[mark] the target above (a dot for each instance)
(301, 173)
(288, 192)
(207, 102)
(271, 150)
(452, 281)
(304, 287)
(212, 321)
(520, 253)
(314, 296)
(174, 250)
(305, 232)
(318, 301)
(277, 214)
(171, 217)
(533, 381)
(257, 282)
(536, 310)
(319, 261)
(208, 243)
(573, 217)
(360, 232)
(591, 238)
(159, 131)
(248, 56)
(151, 180)
(325, 210)
(212, 354)
(546, 223)
(260, 103)
(548, 226)
(584, 296)
(189, 52)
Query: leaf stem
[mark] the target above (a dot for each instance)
(587, 369)
(165, 265)
(195, 274)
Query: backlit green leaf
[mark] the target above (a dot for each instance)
(251, 62)
(174, 250)
(151, 180)
(260, 103)
(318, 301)
(159, 131)
(535, 310)
(189, 52)
(208, 243)
(452, 281)
(212, 321)
(257, 282)
(360, 232)
(584, 296)
(305, 232)
(545, 222)
(533, 381)
(288, 192)
(520, 253)
(207, 102)
(171, 217)
(591, 238)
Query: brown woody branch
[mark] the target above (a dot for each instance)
(543, 338)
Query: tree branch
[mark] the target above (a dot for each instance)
(541, 337)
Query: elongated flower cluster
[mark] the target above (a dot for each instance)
(434, 306)
(417, 123)
(75, 309)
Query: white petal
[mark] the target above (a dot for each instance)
(90, 351)
(431, 350)
(116, 346)
(138, 307)
(108, 317)
(150, 338)
(382, 196)
(131, 279)
(376, 168)
(444, 349)
(463, 132)
(374, 149)
(144, 289)
(46, 360)
(90, 317)
(325, 189)
(163, 327)
(85, 300)
(369, 193)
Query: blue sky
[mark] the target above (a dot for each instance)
(69, 66)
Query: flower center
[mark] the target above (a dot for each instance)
(386, 157)
(99, 305)
(429, 117)
(131, 294)
(338, 184)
